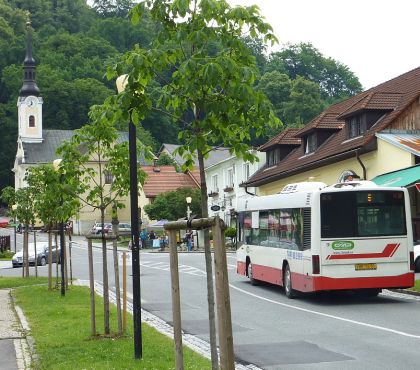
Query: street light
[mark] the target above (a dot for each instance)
(56, 165)
(121, 84)
(188, 200)
(14, 208)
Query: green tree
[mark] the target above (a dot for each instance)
(167, 160)
(96, 143)
(208, 93)
(335, 80)
(172, 206)
(304, 104)
(53, 201)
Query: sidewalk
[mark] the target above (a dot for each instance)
(14, 353)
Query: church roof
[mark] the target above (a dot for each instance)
(45, 152)
(216, 155)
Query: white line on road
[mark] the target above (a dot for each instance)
(327, 315)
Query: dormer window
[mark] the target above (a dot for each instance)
(273, 157)
(355, 126)
(310, 143)
(31, 121)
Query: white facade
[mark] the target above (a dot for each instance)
(223, 180)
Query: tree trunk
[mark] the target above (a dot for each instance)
(105, 275)
(209, 269)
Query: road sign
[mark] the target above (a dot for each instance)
(215, 208)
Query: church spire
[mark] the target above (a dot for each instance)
(29, 86)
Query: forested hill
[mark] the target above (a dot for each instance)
(73, 43)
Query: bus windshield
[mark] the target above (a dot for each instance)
(362, 214)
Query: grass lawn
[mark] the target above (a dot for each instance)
(61, 329)
(14, 282)
(416, 286)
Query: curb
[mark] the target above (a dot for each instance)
(24, 347)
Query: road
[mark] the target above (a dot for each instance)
(330, 331)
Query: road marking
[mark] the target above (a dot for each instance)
(377, 327)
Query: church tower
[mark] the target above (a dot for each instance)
(29, 101)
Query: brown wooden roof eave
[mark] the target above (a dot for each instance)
(309, 166)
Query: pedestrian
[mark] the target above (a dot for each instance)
(152, 235)
(188, 239)
(143, 237)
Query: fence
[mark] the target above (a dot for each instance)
(4, 243)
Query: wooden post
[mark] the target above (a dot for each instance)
(92, 290)
(57, 258)
(124, 292)
(66, 274)
(50, 260)
(176, 300)
(227, 358)
(117, 286)
(26, 250)
(70, 261)
(36, 255)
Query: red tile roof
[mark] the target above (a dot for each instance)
(285, 137)
(165, 178)
(393, 96)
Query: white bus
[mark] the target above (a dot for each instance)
(311, 237)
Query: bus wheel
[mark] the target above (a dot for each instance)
(287, 283)
(251, 276)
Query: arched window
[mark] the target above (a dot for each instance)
(31, 121)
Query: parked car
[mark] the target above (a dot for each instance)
(42, 252)
(97, 228)
(124, 228)
(417, 257)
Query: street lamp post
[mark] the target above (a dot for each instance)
(14, 208)
(56, 164)
(188, 200)
(121, 83)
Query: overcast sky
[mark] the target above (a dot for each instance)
(376, 39)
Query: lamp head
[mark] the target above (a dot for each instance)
(57, 164)
(121, 83)
(189, 200)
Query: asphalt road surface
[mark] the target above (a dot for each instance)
(328, 331)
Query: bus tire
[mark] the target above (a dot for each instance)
(417, 265)
(287, 283)
(251, 276)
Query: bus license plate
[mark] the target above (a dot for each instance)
(365, 266)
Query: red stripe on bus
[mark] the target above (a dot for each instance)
(388, 251)
(308, 283)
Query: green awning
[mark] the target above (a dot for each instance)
(405, 177)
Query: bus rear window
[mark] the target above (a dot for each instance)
(362, 214)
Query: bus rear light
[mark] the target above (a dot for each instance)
(412, 267)
(315, 264)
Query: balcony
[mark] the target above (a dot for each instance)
(213, 193)
(228, 188)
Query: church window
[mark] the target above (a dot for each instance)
(31, 121)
